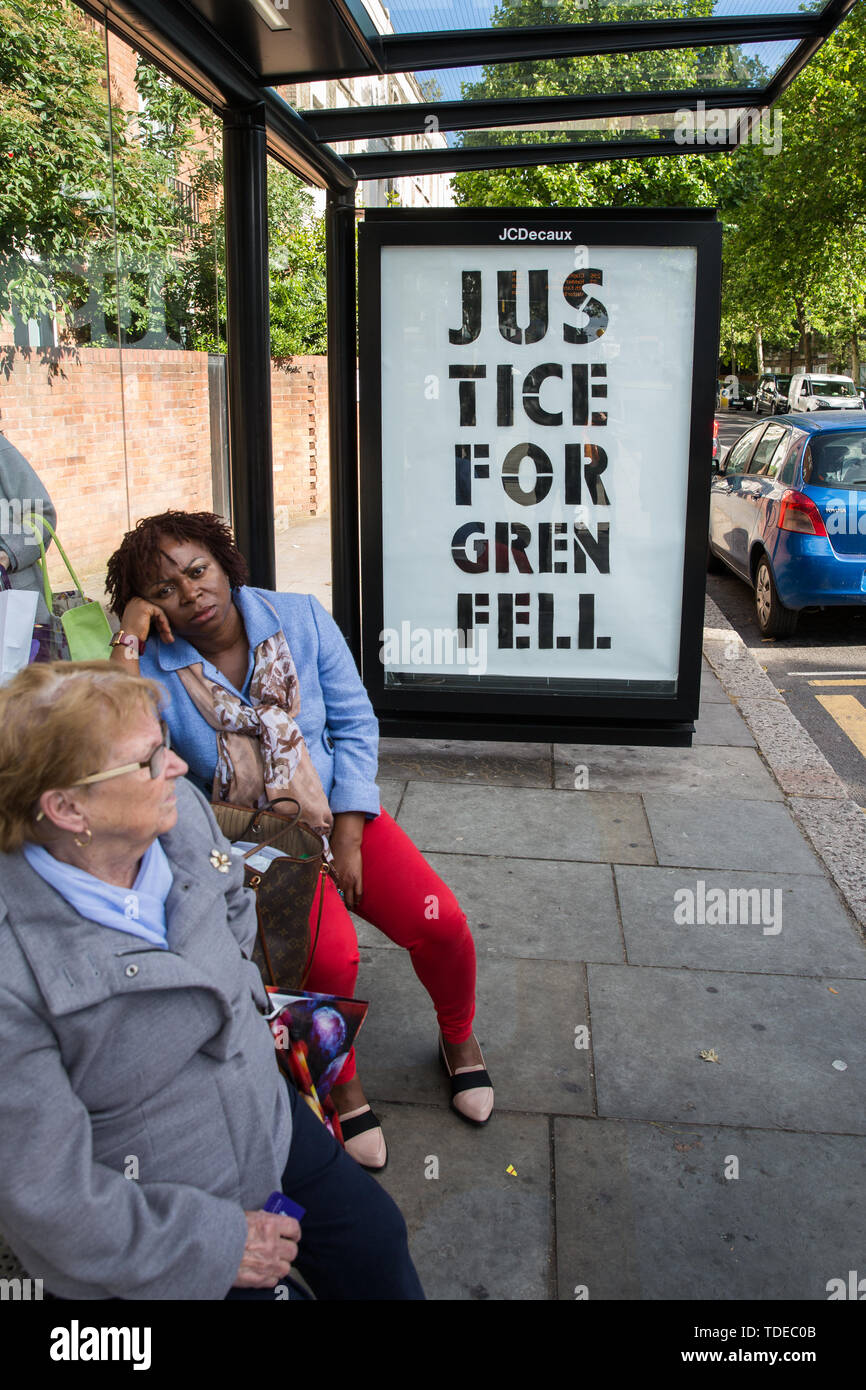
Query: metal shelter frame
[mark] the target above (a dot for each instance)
(227, 54)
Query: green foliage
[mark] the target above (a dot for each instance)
(795, 250)
(296, 253)
(795, 223)
(55, 193)
(684, 180)
(299, 320)
(101, 240)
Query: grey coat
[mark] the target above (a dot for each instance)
(113, 1050)
(22, 493)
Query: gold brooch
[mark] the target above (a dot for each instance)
(220, 861)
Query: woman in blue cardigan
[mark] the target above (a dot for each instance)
(265, 701)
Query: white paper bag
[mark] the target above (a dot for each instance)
(17, 616)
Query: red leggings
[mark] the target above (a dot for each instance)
(407, 901)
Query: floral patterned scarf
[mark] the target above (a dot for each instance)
(261, 750)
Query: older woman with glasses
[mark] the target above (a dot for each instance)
(144, 1121)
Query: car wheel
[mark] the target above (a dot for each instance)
(774, 619)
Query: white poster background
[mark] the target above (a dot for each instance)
(649, 295)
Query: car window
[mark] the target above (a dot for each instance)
(837, 459)
(788, 470)
(770, 451)
(739, 455)
(832, 388)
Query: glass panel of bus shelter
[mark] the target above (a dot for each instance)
(711, 68)
(171, 319)
(61, 401)
(438, 16)
(299, 375)
(720, 126)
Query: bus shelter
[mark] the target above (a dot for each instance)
(536, 277)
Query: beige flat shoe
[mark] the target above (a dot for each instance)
(471, 1090)
(363, 1139)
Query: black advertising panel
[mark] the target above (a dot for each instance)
(536, 394)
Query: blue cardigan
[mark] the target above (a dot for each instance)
(336, 717)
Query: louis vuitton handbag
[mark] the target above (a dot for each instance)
(284, 864)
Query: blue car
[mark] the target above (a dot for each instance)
(788, 515)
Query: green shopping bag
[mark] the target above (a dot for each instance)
(82, 621)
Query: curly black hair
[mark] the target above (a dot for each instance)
(135, 563)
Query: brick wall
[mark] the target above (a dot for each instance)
(91, 441)
(300, 415)
(123, 61)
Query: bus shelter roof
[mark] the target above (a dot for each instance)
(497, 86)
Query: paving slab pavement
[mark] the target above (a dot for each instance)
(633, 1200)
(603, 826)
(663, 922)
(659, 1211)
(595, 1002)
(776, 1038)
(477, 1232)
(714, 770)
(528, 1014)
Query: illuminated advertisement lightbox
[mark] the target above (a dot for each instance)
(536, 391)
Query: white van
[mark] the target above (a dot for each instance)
(821, 392)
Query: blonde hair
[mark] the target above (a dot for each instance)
(57, 723)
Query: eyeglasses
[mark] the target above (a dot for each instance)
(156, 763)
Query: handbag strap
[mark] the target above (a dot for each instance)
(263, 811)
(323, 874)
(73, 576)
(263, 844)
(263, 942)
(46, 587)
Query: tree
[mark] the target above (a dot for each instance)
(296, 254)
(70, 215)
(795, 229)
(299, 316)
(794, 223)
(691, 180)
(118, 230)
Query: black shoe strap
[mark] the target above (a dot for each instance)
(359, 1124)
(468, 1080)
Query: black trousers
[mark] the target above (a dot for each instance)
(353, 1238)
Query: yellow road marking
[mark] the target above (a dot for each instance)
(852, 682)
(849, 714)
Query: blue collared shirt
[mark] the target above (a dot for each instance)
(336, 717)
(139, 910)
